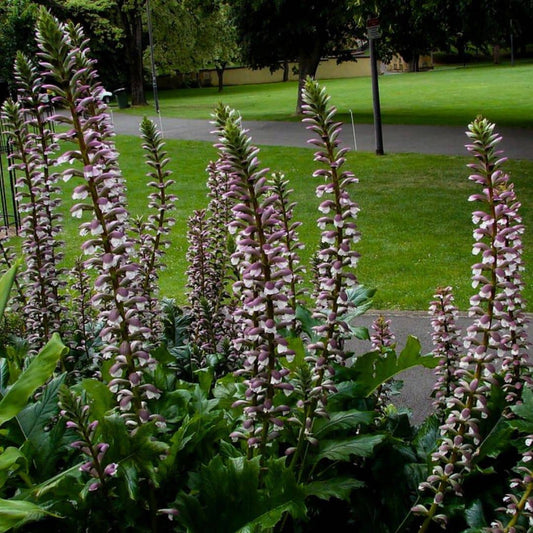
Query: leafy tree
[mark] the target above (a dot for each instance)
(411, 28)
(115, 29)
(225, 47)
(301, 30)
(416, 27)
(17, 22)
(483, 23)
(190, 35)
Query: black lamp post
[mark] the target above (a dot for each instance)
(373, 33)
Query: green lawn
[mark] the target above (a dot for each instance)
(415, 217)
(447, 96)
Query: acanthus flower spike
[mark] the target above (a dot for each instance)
(264, 309)
(496, 310)
(446, 346)
(73, 81)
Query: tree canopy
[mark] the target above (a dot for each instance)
(190, 35)
(300, 30)
(17, 24)
(415, 27)
(194, 34)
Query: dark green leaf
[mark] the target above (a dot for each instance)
(162, 354)
(361, 301)
(238, 494)
(343, 420)
(373, 369)
(101, 399)
(339, 487)
(270, 518)
(11, 460)
(474, 515)
(129, 474)
(6, 281)
(205, 378)
(360, 332)
(307, 322)
(343, 450)
(427, 436)
(496, 440)
(525, 409)
(36, 416)
(67, 479)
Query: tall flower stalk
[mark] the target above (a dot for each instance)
(336, 258)
(382, 340)
(500, 324)
(76, 412)
(263, 274)
(42, 308)
(493, 309)
(446, 346)
(202, 285)
(84, 316)
(289, 233)
(64, 56)
(210, 273)
(153, 234)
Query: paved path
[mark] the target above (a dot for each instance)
(447, 140)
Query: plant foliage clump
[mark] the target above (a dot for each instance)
(250, 409)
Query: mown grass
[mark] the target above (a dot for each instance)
(415, 218)
(448, 96)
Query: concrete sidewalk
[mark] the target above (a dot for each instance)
(446, 140)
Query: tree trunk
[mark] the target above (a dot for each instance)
(220, 67)
(496, 54)
(307, 66)
(285, 70)
(414, 63)
(132, 24)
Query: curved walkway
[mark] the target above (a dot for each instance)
(446, 140)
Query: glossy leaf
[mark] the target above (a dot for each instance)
(228, 495)
(339, 487)
(11, 460)
(36, 416)
(269, 519)
(474, 515)
(15, 512)
(100, 397)
(344, 450)
(37, 373)
(6, 282)
(66, 478)
(373, 369)
(343, 420)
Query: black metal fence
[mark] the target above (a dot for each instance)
(9, 214)
(9, 209)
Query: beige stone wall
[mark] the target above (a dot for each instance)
(243, 76)
(399, 65)
(326, 70)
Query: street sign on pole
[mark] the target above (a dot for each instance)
(373, 29)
